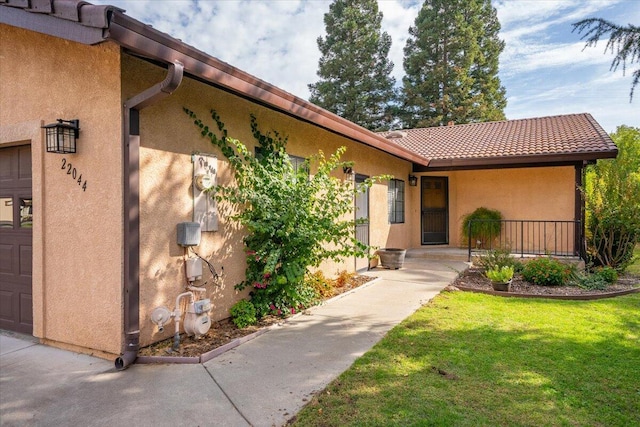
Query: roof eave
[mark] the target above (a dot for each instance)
(155, 45)
(51, 25)
(516, 161)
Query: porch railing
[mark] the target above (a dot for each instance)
(529, 237)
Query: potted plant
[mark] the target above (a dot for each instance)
(392, 258)
(482, 226)
(500, 278)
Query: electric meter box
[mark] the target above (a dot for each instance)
(189, 233)
(202, 306)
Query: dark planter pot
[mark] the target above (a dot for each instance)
(392, 258)
(501, 286)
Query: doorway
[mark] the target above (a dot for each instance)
(362, 220)
(435, 210)
(16, 222)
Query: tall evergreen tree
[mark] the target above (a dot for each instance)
(354, 69)
(451, 65)
(624, 40)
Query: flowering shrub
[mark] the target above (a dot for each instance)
(293, 220)
(547, 272)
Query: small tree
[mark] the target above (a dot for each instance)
(293, 220)
(612, 188)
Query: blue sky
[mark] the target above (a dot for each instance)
(544, 67)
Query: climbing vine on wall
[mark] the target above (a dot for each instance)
(294, 217)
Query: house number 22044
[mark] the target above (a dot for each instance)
(74, 174)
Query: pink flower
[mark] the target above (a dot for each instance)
(293, 310)
(272, 307)
(279, 312)
(267, 275)
(250, 252)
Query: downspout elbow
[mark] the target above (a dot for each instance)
(130, 352)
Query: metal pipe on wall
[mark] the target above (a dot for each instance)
(131, 137)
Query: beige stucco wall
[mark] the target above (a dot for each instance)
(77, 235)
(78, 244)
(543, 193)
(168, 137)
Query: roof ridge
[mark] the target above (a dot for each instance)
(491, 122)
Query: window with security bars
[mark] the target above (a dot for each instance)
(396, 201)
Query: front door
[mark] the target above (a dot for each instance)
(16, 219)
(362, 221)
(435, 210)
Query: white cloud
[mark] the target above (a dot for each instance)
(398, 16)
(544, 56)
(544, 67)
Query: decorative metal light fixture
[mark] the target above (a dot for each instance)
(413, 180)
(61, 136)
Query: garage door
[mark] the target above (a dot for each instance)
(16, 216)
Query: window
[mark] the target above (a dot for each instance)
(396, 201)
(296, 162)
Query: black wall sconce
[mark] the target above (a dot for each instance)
(413, 180)
(61, 136)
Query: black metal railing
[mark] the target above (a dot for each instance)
(527, 237)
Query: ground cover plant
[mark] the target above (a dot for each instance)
(468, 359)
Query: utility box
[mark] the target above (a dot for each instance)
(205, 211)
(189, 234)
(194, 269)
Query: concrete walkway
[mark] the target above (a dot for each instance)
(263, 382)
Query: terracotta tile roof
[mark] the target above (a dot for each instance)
(87, 14)
(544, 139)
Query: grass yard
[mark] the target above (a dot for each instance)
(635, 267)
(476, 360)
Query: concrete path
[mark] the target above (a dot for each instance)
(263, 382)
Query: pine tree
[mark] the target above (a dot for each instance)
(624, 40)
(451, 65)
(354, 69)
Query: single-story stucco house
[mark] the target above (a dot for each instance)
(88, 239)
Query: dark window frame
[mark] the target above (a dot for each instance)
(396, 201)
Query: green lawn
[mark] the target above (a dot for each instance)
(476, 360)
(635, 267)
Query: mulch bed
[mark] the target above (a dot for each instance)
(225, 332)
(473, 279)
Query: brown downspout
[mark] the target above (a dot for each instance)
(131, 136)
